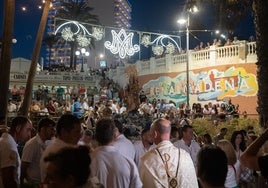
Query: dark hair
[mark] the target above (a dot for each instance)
(212, 165)
(174, 129)
(72, 161)
(146, 129)
(119, 126)
(88, 132)
(19, 120)
(66, 122)
(105, 131)
(223, 129)
(185, 127)
(242, 145)
(45, 122)
(207, 138)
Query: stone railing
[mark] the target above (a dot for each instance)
(214, 56)
(244, 52)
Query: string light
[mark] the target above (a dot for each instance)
(121, 43)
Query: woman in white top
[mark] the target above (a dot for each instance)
(238, 142)
(233, 164)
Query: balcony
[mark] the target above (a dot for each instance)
(245, 52)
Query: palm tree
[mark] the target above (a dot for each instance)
(50, 41)
(36, 50)
(228, 13)
(77, 11)
(5, 62)
(260, 9)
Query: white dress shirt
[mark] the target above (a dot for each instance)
(9, 155)
(124, 146)
(193, 149)
(113, 169)
(31, 154)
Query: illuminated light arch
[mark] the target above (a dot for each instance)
(122, 44)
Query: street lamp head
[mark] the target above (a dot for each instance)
(101, 55)
(181, 21)
(86, 53)
(194, 9)
(83, 50)
(223, 36)
(77, 52)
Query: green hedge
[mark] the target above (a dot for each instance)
(203, 126)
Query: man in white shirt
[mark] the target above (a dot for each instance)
(11, 107)
(113, 107)
(108, 165)
(20, 130)
(33, 149)
(165, 165)
(187, 143)
(122, 144)
(147, 107)
(143, 145)
(68, 132)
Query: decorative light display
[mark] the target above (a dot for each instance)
(170, 48)
(146, 40)
(122, 44)
(122, 41)
(158, 50)
(67, 34)
(83, 36)
(83, 41)
(97, 33)
(160, 47)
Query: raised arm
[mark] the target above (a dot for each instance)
(249, 158)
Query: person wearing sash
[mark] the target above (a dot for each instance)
(166, 165)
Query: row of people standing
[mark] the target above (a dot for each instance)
(113, 161)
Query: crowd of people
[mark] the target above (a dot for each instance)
(90, 104)
(84, 140)
(66, 154)
(219, 42)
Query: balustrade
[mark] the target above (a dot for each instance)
(239, 53)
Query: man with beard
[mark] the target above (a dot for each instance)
(20, 131)
(33, 149)
(143, 145)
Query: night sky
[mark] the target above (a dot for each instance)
(147, 15)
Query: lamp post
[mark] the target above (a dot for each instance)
(99, 57)
(187, 63)
(83, 53)
(186, 21)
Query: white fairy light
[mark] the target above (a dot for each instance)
(158, 50)
(67, 34)
(146, 40)
(97, 33)
(83, 35)
(159, 41)
(83, 40)
(122, 44)
(170, 48)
